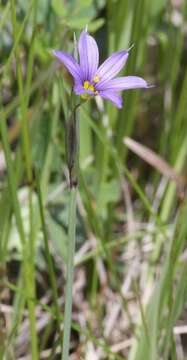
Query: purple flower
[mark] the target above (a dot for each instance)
(90, 79)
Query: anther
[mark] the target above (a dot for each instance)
(96, 79)
(91, 87)
(86, 84)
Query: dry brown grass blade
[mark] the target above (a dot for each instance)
(156, 161)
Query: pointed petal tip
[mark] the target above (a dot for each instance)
(57, 54)
(147, 86)
(84, 31)
(54, 52)
(130, 48)
(124, 52)
(151, 86)
(123, 83)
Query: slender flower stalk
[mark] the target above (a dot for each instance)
(70, 270)
(90, 79)
(72, 153)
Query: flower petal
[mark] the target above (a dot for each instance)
(112, 65)
(113, 97)
(123, 83)
(89, 55)
(79, 89)
(71, 65)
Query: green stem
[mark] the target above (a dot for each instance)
(48, 255)
(70, 270)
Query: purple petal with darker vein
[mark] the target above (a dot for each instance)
(123, 83)
(89, 55)
(71, 65)
(112, 65)
(113, 97)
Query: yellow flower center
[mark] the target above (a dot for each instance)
(88, 86)
(91, 87)
(96, 79)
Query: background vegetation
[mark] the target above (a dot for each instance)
(129, 296)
